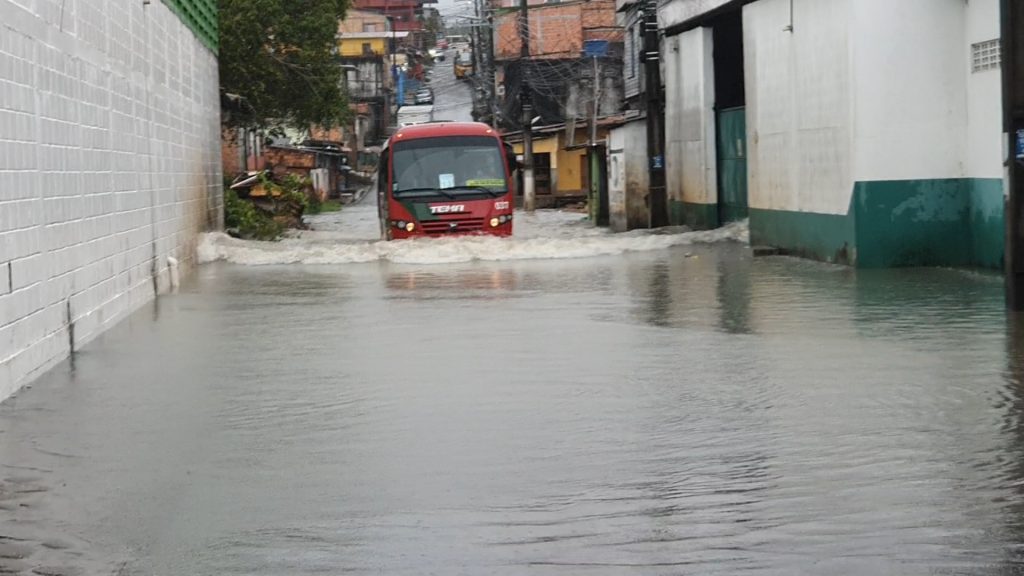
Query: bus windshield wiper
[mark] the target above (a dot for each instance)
(440, 191)
(492, 193)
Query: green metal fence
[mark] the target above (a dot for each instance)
(200, 16)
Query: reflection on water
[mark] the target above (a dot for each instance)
(489, 283)
(692, 410)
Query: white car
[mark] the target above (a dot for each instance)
(424, 96)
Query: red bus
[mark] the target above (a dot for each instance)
(443, 179)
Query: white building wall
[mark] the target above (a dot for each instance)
(690, 156)
(799, 110)
(628, 177)
(910, 99)
(616, 182)
(109, 164)
(862, 90)
(984, 96)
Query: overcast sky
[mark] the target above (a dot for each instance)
(454, 7)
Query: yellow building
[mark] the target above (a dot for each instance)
(364, 33)
(560, 162)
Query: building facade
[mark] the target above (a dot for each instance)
(364, 33)
(575, 65)
(404, 16)
(366, 42)
(864, 132)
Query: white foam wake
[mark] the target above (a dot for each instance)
(569, 240)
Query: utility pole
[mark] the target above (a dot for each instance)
(477, 53)
(655, 154)
(491, 79)
(597, 102)
(1012, 18)
(526, 101)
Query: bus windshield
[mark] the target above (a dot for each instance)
(452, 164)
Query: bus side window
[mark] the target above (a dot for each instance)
(510, 157)
(382, 171)
(382, 182)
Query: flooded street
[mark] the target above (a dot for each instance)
(654, 409)
(453, 99)
(547, 397)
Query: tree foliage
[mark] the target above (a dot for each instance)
(279, 64)
(434, 26)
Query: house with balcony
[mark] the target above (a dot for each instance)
(366, 42)
(404, 16)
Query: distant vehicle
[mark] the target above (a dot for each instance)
(463, 65)
(458, 41)
(442, 44)
(418, 114)
(443, 179)
(424, 96)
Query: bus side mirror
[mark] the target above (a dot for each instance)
(512, 158)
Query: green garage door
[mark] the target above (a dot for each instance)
(732, 164)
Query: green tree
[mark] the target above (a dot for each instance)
(433, 24)
(279, 64)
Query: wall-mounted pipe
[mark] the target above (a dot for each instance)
(172, 265)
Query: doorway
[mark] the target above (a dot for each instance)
(730, 117)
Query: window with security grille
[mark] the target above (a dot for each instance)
(985, 56)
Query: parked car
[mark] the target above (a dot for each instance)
(424, 96)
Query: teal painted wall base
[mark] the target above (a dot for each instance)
(696, 216)
(826, 237)
(912, 223)
(947, 222)
(988, 227)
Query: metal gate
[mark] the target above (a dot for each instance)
(732, 164)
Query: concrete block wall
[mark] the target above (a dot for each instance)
(109, 165)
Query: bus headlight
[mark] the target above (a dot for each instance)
(400, 224)
(504, 218)
(494, 222)
(410, 227)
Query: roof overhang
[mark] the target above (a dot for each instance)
(678, 16)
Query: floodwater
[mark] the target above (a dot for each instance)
(643, 404)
